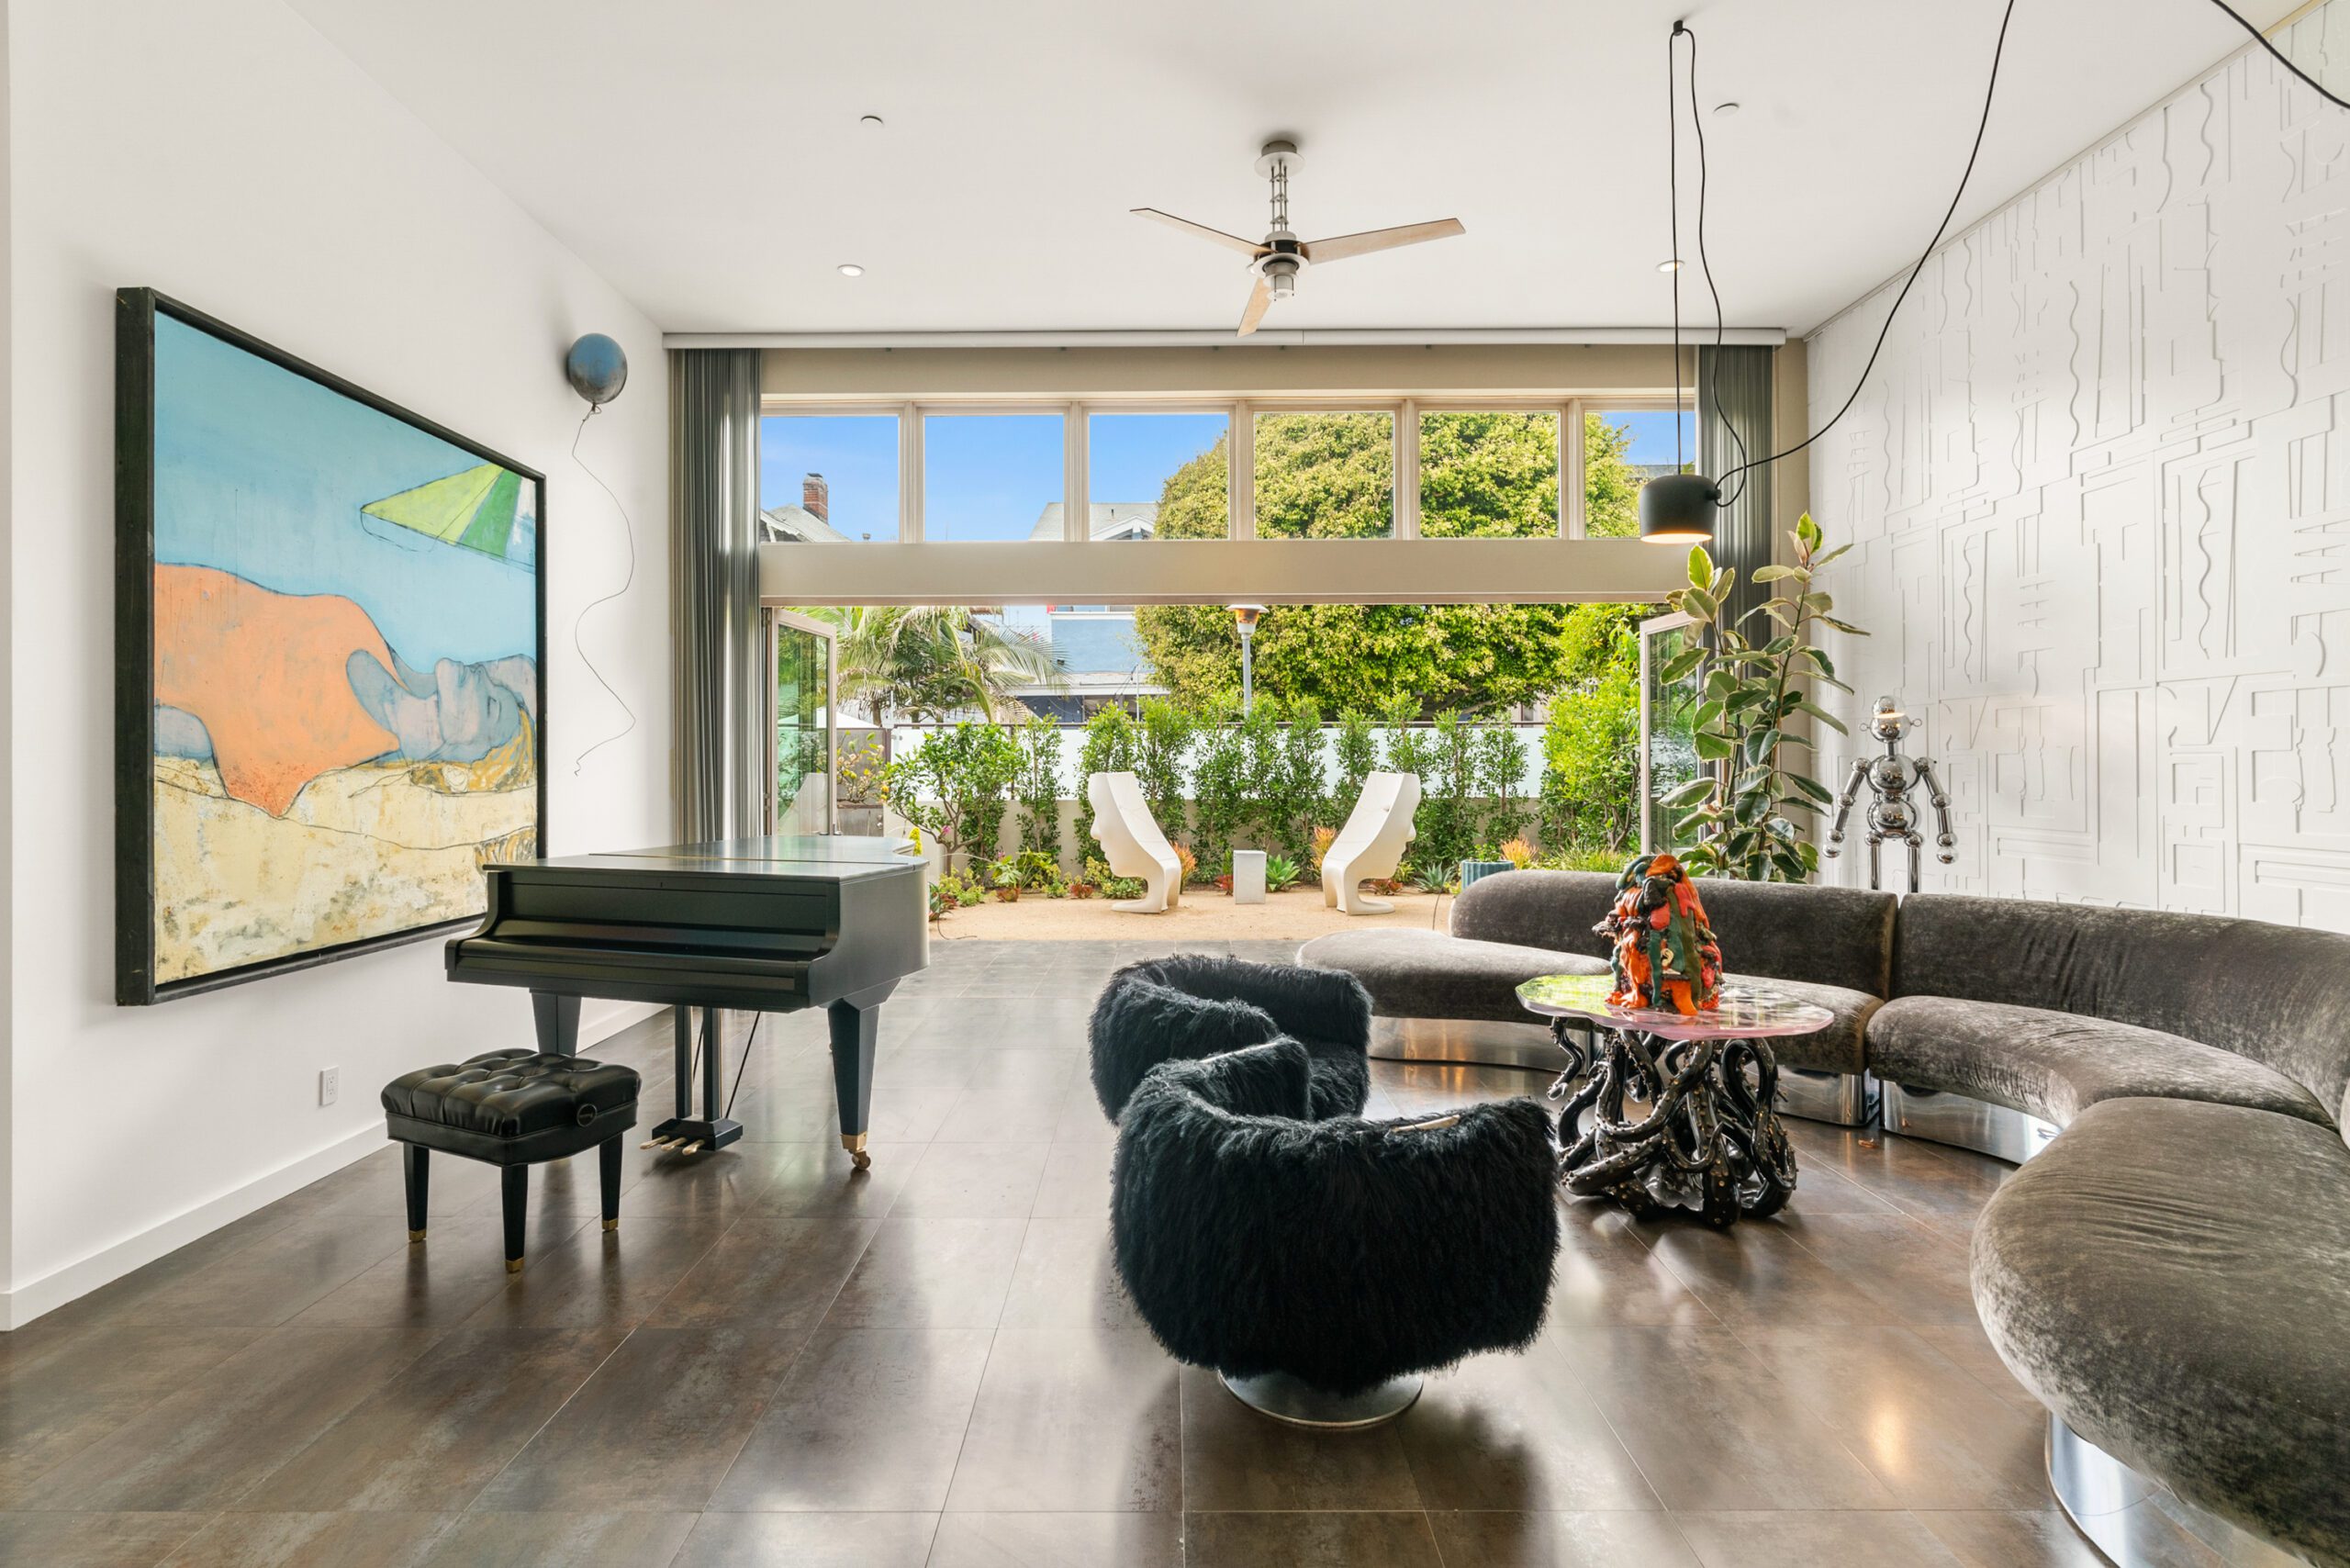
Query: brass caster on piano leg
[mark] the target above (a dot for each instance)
(855, 1144)
(861, 1159)
(415, 1236)
(611, 1225)
(514, 1265)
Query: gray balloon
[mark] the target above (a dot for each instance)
(597, 368)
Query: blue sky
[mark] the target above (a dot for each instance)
(990, 475)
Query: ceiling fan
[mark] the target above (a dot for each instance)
(1280, 256)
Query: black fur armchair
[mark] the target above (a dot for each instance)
(1343, 1253)
(1197, 1004)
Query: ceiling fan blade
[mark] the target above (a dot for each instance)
(1248, 248)
(1345, 245)
(1259, 298)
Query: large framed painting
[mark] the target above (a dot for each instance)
(330, 654)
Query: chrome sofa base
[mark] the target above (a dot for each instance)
(2137, 1523)
(1840, 1099)
(1939, 1117)
(1298, 1404)
(1465, 1042)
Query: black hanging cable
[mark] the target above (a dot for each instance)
(740, 1065)
(1673, 184)
(2262, 39)
(1697, 122)
(1990, 88)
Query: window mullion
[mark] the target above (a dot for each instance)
(1572, 488)
(909, 474)
(1077, 516)
(1242, 479)
(1406, 501)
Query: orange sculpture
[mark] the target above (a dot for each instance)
(1664, 949)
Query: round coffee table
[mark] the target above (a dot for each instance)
(1704, 1133)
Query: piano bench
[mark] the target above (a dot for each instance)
(512, 1109)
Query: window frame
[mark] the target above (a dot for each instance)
(1240, 441)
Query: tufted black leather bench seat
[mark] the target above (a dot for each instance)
(513, 1109)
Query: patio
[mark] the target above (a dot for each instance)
(1204, 917)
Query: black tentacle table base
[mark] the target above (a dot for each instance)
(1678, 1115)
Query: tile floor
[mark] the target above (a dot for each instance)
(777, 1362)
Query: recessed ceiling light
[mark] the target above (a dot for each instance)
(1671, 266)
(1725, 109)
(850, 269)
(872, 122)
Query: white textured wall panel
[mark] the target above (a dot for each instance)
(2100, 491)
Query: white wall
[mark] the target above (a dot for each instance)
(225, 153)
(2100, 489)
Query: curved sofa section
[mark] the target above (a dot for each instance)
(2170, 1276)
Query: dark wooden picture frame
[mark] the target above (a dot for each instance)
(137, 311)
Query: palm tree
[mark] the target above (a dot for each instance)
(929, 660)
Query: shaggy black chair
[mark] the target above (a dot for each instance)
(1196, 1005)
(1320, 1265)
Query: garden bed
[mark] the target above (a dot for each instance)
(1205, 916)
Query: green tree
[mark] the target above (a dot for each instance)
(956, 788)
(1327, 475)
(1039, 787)
(926, 661)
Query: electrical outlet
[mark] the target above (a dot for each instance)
(330, 1084)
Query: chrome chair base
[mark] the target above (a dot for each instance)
(1939, 1117)
(1297, 1404)
(1464, 1042)
(2135, 1522)
(1840, 1099)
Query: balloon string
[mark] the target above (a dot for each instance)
(629, 528)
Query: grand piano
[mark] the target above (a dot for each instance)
(764, 924)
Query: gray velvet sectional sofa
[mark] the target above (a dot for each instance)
(2171, 1274)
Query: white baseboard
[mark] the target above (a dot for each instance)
(28, 1301)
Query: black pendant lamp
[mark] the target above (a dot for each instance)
(1677, 508)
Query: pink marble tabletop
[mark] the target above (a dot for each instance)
(1746, 1012)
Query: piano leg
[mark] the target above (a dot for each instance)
(685, 1132)
(854, 1032)
(558, 1021)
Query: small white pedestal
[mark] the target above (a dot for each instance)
(1248, 876)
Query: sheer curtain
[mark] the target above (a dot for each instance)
(1734, 390)
(714, 591)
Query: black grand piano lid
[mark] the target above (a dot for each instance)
(834, 856)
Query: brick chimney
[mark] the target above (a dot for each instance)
(816, 496)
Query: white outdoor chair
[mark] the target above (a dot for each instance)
(1132, 843)
(1371, 843)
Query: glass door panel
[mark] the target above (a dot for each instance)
(1668, 719)
(806, 735)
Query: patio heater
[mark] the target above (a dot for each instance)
(1244, 617)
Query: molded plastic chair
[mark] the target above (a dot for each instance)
(1371, 843)
(1132, 843)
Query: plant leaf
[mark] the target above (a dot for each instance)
(1701, 567)
(1773, 573)
(1823, 715)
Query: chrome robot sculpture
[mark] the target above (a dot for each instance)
(1890, 778)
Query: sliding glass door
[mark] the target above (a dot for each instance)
(806, 731)
(1668, 719)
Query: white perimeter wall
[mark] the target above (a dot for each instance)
(226, 155)
(2100, 487)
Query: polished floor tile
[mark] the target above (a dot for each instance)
(62, 1390)
(1707, 1425)
(204, 1446)
(1058, 1541)
(93, 1540)
(933, 1273)
(870, 1420)
(1561, 1540)
(778, 1359)
(1805, 1539)
(809, 1540)
(434, 1437)
(1073, 1423)
(313, 1540)
(1234, 1459)
(1310, 1540)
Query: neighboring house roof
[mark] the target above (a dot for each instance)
(795, 524)
(1110, 519)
